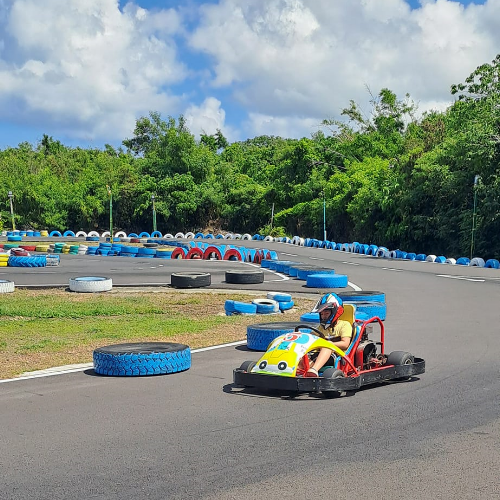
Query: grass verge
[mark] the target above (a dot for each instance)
(43, 329)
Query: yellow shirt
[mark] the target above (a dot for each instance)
(341, 329)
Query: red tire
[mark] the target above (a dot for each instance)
(212, 251)
(232, 254)
(178, 253)
(195, 253)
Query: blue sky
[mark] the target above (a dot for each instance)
(83, 72)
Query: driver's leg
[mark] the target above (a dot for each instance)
(323, 357)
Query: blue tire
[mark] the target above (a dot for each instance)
(55, 233)
(259, 336)
(492, 264)
(327, 281)
(279, 297)
(355, 296)
(285, 306)
(303, 274)
(372, 309)
(69, 233)
(27, 261)
(139, 359)
(235, 307)
(463, 261)
(310, 317)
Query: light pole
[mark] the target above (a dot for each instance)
(154, 212)
(476, 181)
(110, 194)
(11, 196)
(324, 216)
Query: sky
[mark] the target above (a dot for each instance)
(83, 71)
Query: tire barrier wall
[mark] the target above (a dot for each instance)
(353, 247)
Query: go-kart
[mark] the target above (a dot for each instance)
(284, 365)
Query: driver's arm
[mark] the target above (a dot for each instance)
(343, 343)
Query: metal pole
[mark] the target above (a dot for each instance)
(324, 217)
(476, 180)
(110, 194)
(154, 213)
(272, 216)
(11, 196)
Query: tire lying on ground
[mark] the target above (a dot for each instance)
(6, 286)
(362, 296)
(260, 335)
(90, 284)
(245, 277)
(139, 359)
(190, 280)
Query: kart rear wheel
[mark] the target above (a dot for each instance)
(400, 358)
(332, 373)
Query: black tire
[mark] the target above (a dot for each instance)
(260, 335)
(139, 359)
(400, 358)
(362, 296)
(247, 366)
(190, 280)
(332, 373)
(245, 277)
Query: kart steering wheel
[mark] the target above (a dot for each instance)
(309, 327)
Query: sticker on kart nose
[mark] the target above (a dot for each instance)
(280, 368)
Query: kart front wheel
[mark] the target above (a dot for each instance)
(247, 366)
(332, 373)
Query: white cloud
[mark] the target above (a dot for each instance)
(288, 58)
(87, 65)
(208, 118)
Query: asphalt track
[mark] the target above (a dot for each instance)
(194, 435)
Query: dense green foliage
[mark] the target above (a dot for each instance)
(389, 179)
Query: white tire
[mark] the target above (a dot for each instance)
(81, 234)
(430, 258)
(229, 236)
(237, 236)
(90, 284)
(246, 236)
(105, 234)
(168, 236)
(189, 235)
(451, 261)
(477, 262)
(6, 286)
(268, 238)
(93, 233)
(121, 234)
(180, 235)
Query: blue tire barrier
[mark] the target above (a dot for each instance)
(163, 254)
(92, 250)
(69, 233)
(302, 274)
(285, 306)
(272, 265)
(29, 261)
(421, 257)
(354, 296)
(14, 238)
(265, 263)
(372, 309)
(411, 256)
(463, 261)
(310, 317)
(441, 259)
(266, 306)
(37, 234)
(133, 235)
(236, 307)
(219, 237)
(360, 316)
(102, 251)
(382, 252)
(29, 233)
(279, 266)
(286, 267)
(199, 235)
(145, 358)
(142, 251)
(55, 234)
(327, 281)
(26, 261)
(144, 234)
(128, 249)
(260, 335)
(156, 234)
(273, 255)
(372, 250)
(492, 264)
(279, 296)
(92, 238)
(209, 236)
(477, 262)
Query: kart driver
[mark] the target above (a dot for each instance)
(339, 332)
